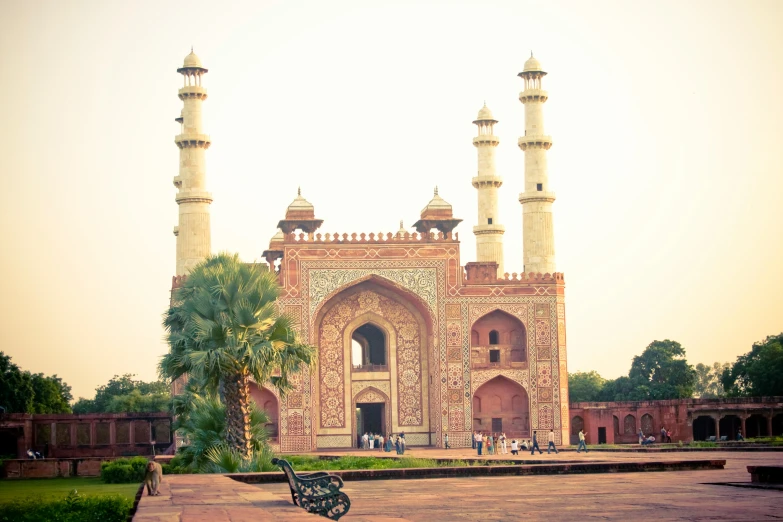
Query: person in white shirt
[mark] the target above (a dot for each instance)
(479, 441)
(551, 440)
(582, 443)
(503, 442)
(514, 447)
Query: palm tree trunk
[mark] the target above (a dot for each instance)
(237, 389)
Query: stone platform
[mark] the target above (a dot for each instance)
(682, 495)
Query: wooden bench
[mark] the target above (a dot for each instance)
(317, 493)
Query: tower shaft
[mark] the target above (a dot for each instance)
(538, 232)
(488, 231)
(193, 231)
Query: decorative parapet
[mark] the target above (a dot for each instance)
(354, 238)
(477, 274)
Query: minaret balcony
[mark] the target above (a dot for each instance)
(487, 181)
(492, 229)
(486, 139)
(539, 95)
(193, 91)
(184, 141)
(540, 196)
(193, 196)
(535, 142)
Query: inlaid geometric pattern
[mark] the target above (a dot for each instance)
(454, 333)
(334, 441)
(542, 332)
(545, 416)
(544, 395)
(453, 311)
(456, 418)
(455, 376)
(544, 374)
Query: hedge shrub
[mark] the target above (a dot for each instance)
(124, 471)
(73, 508)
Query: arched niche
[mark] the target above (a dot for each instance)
(498, 339)
(267, 401)
(505, 407)
(399, 317)
(369, 348)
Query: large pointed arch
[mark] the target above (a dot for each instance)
(400, 317)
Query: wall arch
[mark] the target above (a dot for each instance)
(268, 401)
(501, 333)
(513, 415)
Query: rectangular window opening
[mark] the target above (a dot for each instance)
(494, 356)
(489, 221)
(539, 187)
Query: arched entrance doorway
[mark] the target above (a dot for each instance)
(577, 425)
(266, 400)
(730, 426)
(501, 405)
(703, 427)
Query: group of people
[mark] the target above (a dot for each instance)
(490, 443)
(376, 441)
(666, 436)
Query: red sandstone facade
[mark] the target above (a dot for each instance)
(687, 419)
(90, 435)
(442, 348)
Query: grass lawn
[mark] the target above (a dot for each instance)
(60, 487)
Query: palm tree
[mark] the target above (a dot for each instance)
(224, 328)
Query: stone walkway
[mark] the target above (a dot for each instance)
(217, 498)
(682, 495)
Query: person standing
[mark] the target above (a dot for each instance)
(668, 435)
(582, 443)
(663, 434)
(534, 446)
(473, 441)
(503, 443)
(490, 446)
(380, 442)
(402, 443)
(551, 445)
(446, 441)
(365, 441)
(479, 442)
(641, 436)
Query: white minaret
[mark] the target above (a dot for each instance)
(193, 231)
(489, 233)
(538, 250)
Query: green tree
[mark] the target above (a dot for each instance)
(708, 383)
(663, 371)
(585, 386)
(224, 328)
(23, 392)
(758, 372)
(51, 394)
(123, 393)
(16, 387)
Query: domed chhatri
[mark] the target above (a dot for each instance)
(485, 114)
(437, 214)
(532, 64)
(300, 215)
(192, 63)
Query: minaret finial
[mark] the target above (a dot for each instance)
(191, 48)
(531, 53)
(401, 224)
(436, 190)
(298, 191)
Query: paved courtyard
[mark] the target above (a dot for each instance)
(681, 495)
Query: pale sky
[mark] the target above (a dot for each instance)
(667, 121)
